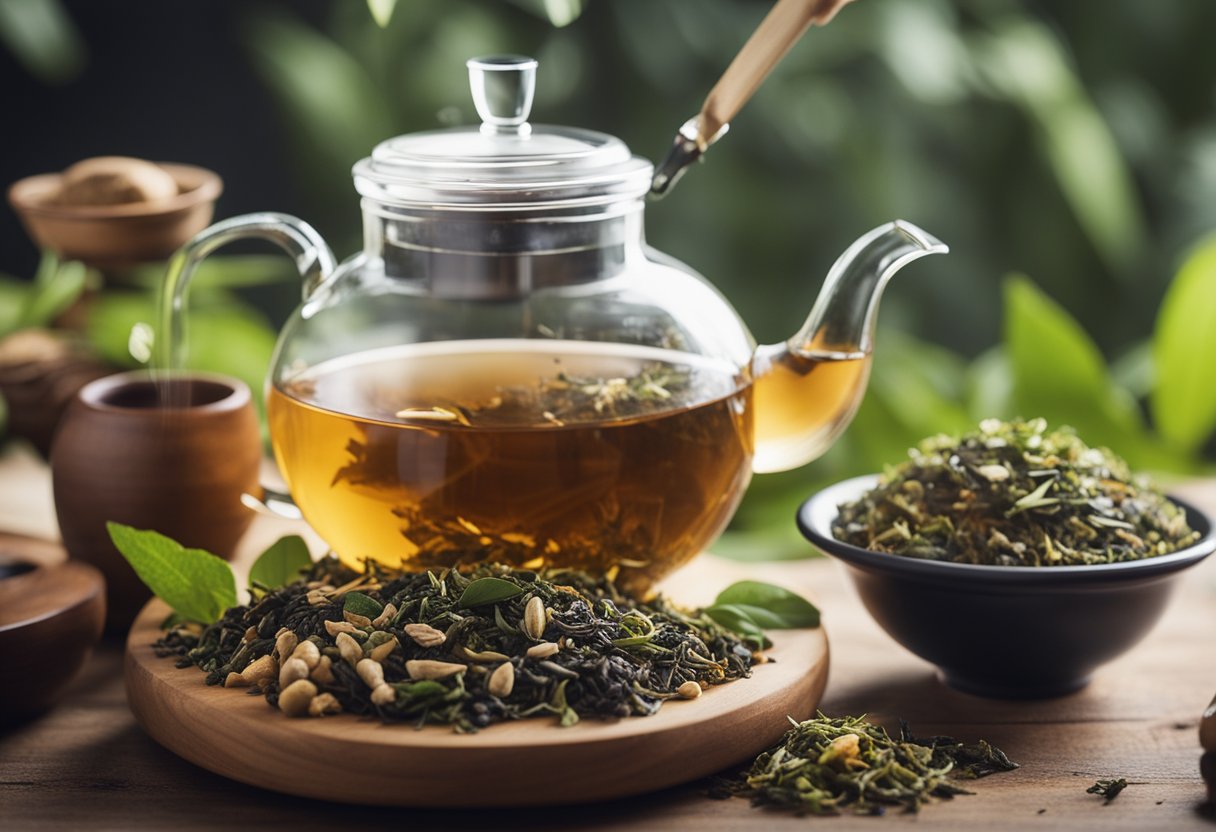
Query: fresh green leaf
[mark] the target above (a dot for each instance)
(196, 584)
(358, 603)
(738, 621)
(281, 563)
(488, 591)
(53, 292)
(782, 609)
(1184, 353)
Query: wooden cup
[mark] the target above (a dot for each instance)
(168, 452)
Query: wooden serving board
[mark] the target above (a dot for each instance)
(527, 763)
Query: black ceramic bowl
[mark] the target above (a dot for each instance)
(1006, 631)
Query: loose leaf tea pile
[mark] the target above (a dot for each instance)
(1014, 494)
(825, 766)
(461, 648)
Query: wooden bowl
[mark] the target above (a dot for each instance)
(113, 236)
(50, 618)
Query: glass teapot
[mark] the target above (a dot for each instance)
(507, 372)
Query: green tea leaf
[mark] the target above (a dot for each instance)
(196, 584)
(1183, 399)
(488, 591)
(737, 620)
(359, 604)
(776, 607)
(55, 288)
(281, 563)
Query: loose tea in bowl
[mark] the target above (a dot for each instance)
(1014, 494)
(1015, 559)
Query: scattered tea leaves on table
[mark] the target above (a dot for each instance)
(196, 584)
(1108, 789)
(281, 563)
(488, 591)
(826, 766)
(598, 653)
(1014, 494)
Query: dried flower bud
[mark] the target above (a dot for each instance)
(502, 680)
(324, 703)
(382, 651)
(335, 627)
(284, 644)
(689, 690)
(295, 699)
(235, 680)
(307, 652)
(349, 648)
(370, 672)
(534, 620)
(292, 670)
(323, 672)
(260, 671)
(426, 669)
(386, 615)
(383, 695)
(424, 635)
(356, 619)
(543, 650)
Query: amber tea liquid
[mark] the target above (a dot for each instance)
(530, 452)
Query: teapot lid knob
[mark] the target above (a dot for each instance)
(502, 87)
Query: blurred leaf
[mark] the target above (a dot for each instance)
(1184, 353)
(326, 90)
(559, 13)
(222, 336)
(13, 295)
(1059, 374)
(221, 272)
(1056, 367)
(382, 11)
(1026, 63)
(42, 37)
(1135, 370)
(990, 385)
(281, 563)
(54, 290)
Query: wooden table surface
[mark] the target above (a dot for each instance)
(87, 764)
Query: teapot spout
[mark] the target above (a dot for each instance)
(808, 389)
(844, 315)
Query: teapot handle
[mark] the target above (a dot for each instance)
(313, 257)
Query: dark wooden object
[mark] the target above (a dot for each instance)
(50, 618)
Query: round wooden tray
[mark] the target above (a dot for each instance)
(526, 763)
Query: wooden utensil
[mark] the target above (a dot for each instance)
(51, 614)
(527, 763)
(776, 35)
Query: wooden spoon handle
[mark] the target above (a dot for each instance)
(776, 34)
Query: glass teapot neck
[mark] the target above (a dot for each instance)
(499, 255)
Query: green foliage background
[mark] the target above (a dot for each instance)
(1065, 151)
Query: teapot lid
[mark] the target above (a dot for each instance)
(507, 163)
